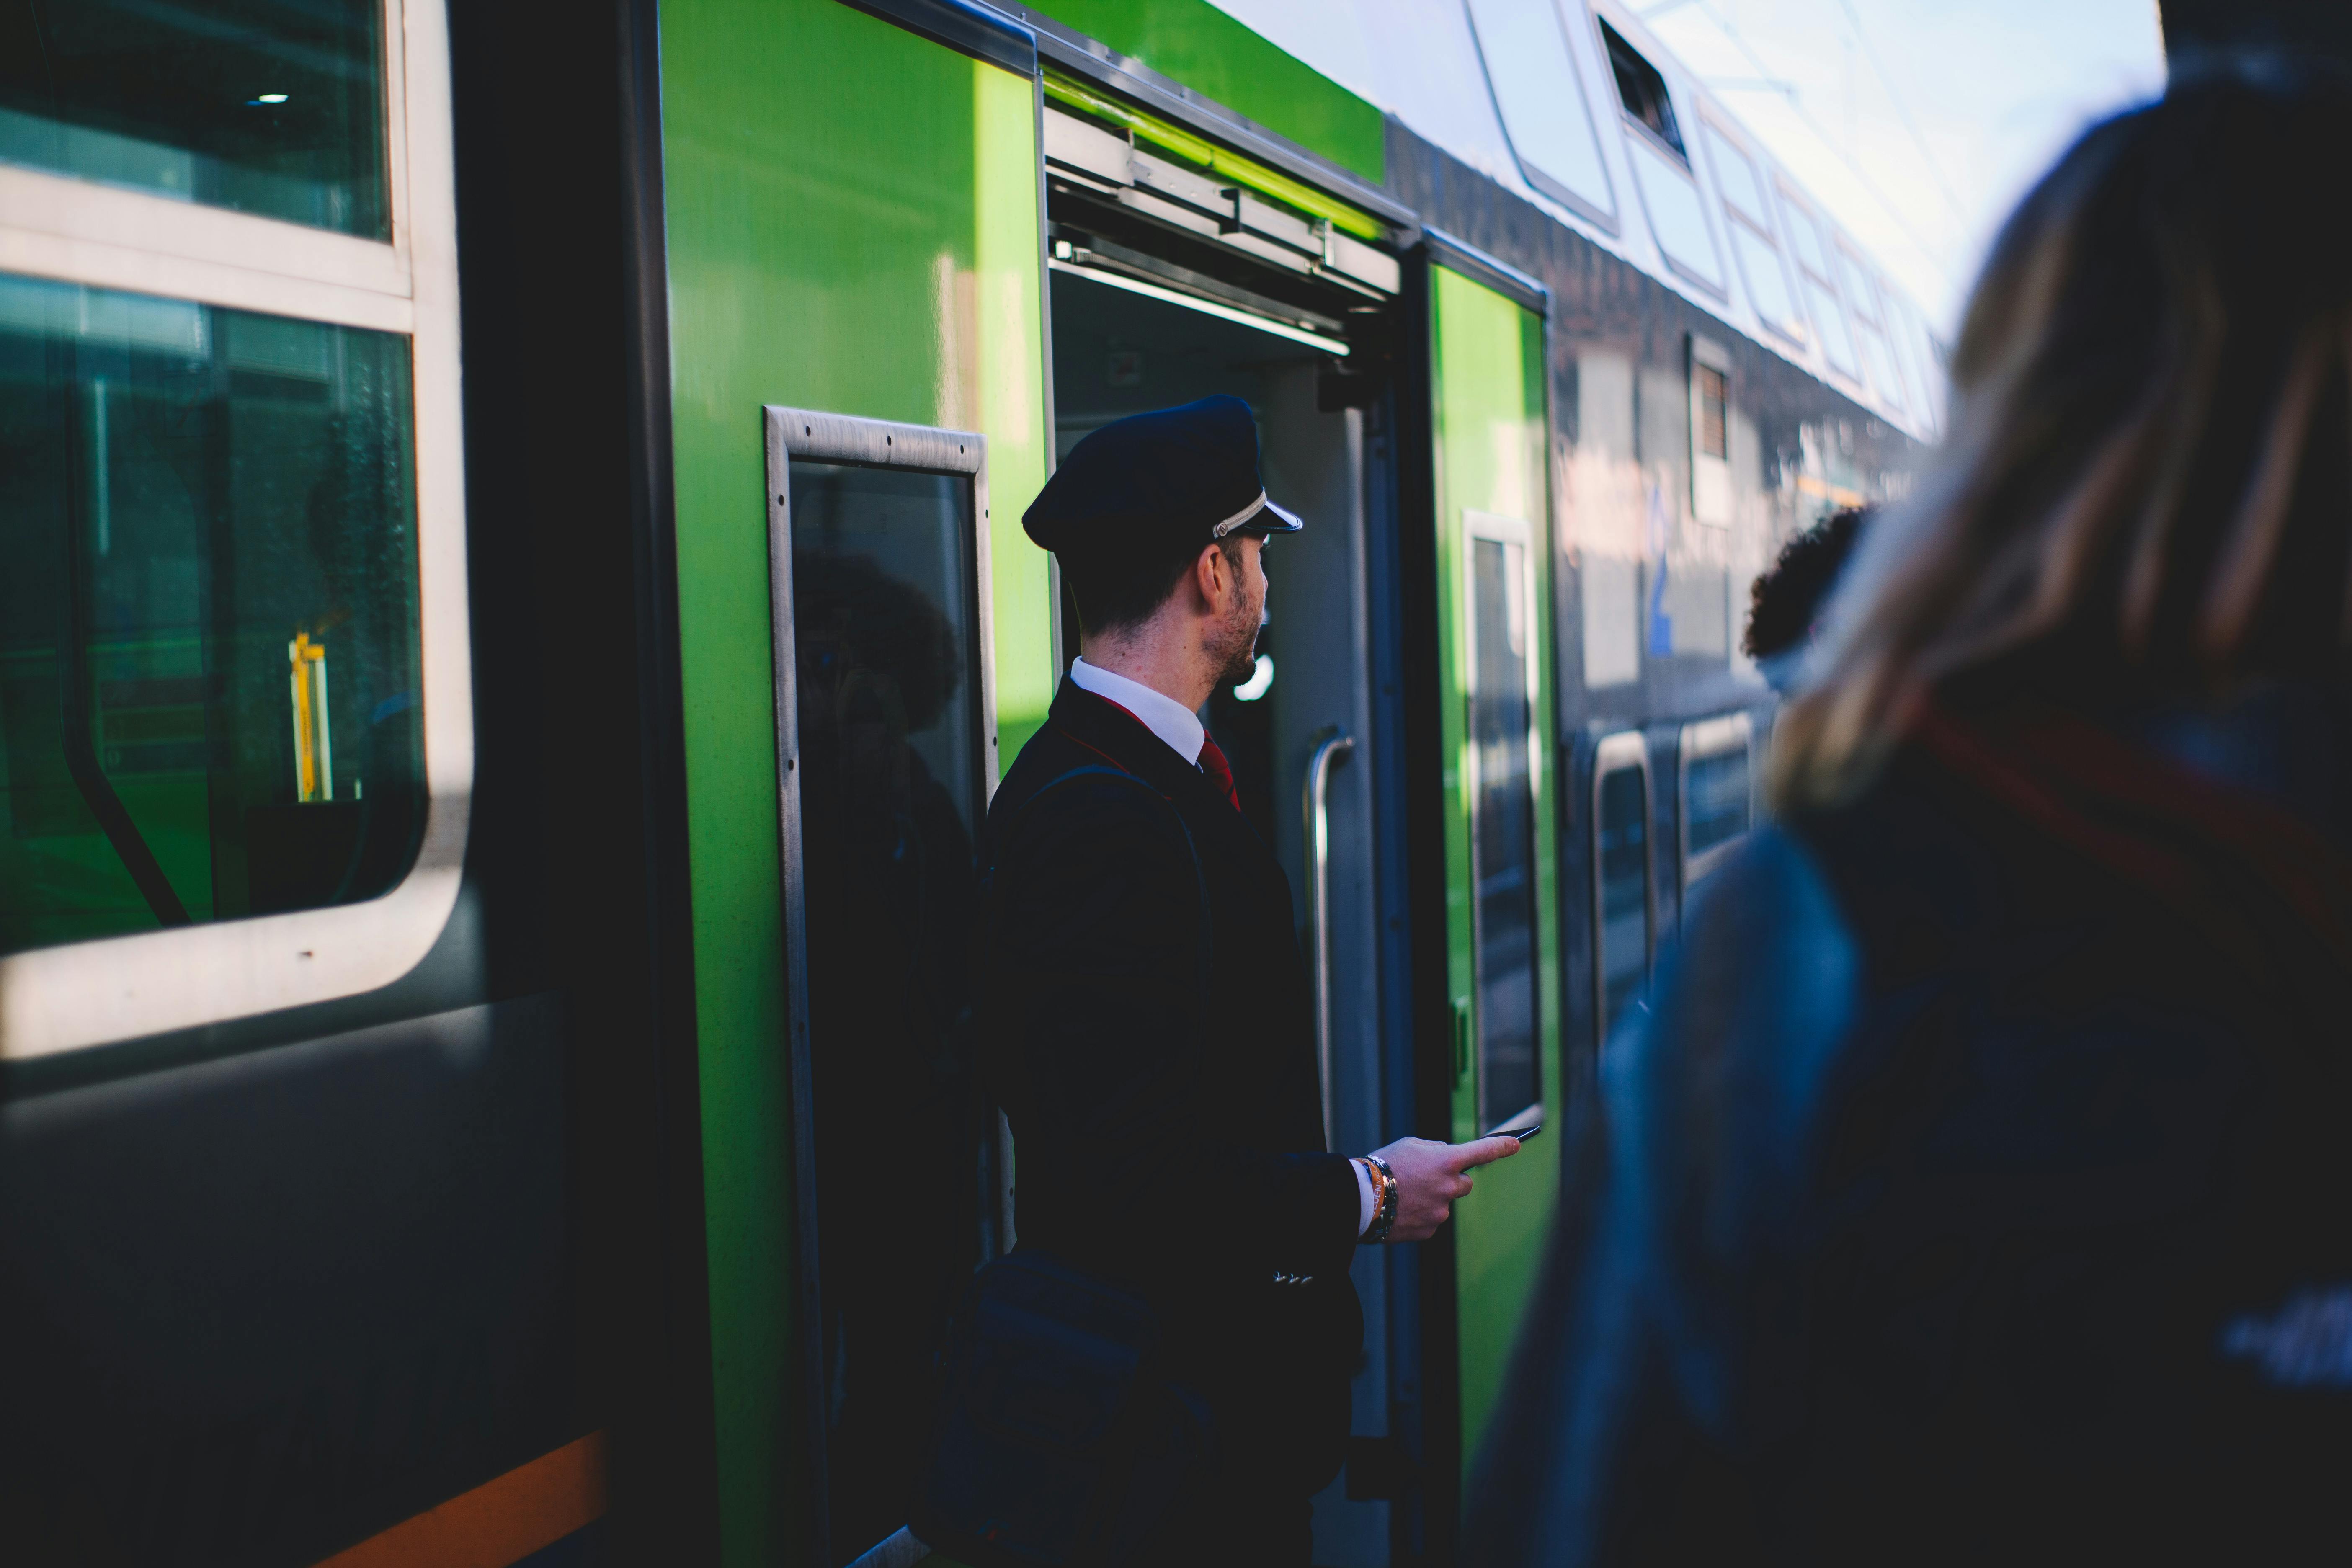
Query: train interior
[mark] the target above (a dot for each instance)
(1118, 352)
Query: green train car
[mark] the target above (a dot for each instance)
(512, 606)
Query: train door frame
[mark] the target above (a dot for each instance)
(872, 443)
(1447, 1433)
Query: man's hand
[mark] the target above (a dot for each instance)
(1428, 1177)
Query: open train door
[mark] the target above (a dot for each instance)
(1488, 971)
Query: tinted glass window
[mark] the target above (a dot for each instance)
(1717, 802)
(272, 107)
(1714, 411)
(1641, 90)
(885, 638)
(1621, 854)
(1503, 832)
(209, 634)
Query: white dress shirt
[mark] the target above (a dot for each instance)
(1161, 714)
(1180, 728)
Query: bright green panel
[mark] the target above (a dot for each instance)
(1488, 354)
(1216, 57)
(852, 225)
(1010, 397)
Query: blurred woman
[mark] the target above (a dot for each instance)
(1980, 1185)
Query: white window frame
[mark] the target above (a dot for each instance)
(63, 230)
(1761, 225)
(1794, 210)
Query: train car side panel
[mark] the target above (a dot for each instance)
(854, 274)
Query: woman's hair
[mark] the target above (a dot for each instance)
(2145, 489)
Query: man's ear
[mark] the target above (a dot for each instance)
(1208, 575)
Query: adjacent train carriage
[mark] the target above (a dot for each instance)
(516, 607)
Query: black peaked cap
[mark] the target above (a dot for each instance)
(1158, 483)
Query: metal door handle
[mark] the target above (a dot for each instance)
(1336, 743)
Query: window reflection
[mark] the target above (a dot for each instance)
(1503, 833)
(270, 107)
(1716, 800)
(1622, 852)
(208, 623)
(885, 633)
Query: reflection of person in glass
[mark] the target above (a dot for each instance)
(888, 862)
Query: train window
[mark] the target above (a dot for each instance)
(1503, 821)
(1710, 391)
(878, 544)
(1624, 901)
(236, 720)
(1677, 215)
(1820, 284)
(1717, 792)
(258, 106)
(1710, 417)
(209, 658)
(1643, 91)
(1539, 93)
(1749, 222)
(1869, 335)
(1735, 174)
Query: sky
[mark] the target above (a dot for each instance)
(1918, 123)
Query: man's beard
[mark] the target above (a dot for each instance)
(1238, 641)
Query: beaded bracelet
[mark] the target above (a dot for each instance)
(1385, 1220)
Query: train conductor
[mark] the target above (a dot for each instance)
(1147, 1016)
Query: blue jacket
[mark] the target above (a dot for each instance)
(1979, 1187)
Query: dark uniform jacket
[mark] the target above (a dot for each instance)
(1980, 1189)
(1157, 1062)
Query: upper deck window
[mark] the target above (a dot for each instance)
(1869, 335)
(1821, 286)
(1749, 222)
(1643, 90)
(1540, 95)
(253, 105)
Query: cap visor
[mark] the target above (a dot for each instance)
(1275, 518)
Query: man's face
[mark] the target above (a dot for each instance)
(1237, 640)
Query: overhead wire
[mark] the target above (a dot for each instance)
(1903, 109)
(1796, 105)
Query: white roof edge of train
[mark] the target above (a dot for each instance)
(1418, 61)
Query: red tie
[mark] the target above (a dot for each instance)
(1220, 772)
